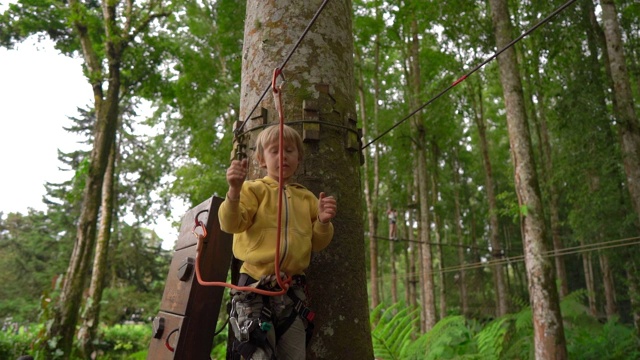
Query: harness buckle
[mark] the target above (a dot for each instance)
(308, 314)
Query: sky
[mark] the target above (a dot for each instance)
(39, 90)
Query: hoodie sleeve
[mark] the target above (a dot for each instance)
(236, 216)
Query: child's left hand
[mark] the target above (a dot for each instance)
(327, 208)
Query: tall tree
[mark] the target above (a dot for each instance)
(319, 100)
(627, 120)
(101, 32)
(548, 328)
(494, 225)
(91, 315)
(371, 177)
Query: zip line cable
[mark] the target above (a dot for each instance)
(548, 254)
(284, 63)
(464, 77)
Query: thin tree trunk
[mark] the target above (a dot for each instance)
(438, 233)
(588, 279)
(91, 318)
(502, 304)
(412, 279)
(549, 340)
(428, 299)
(627, 121)
(634, 293)
(319, 87)
(611, 310)
(369, 197)
(392, 260)
(457, 218)
(540, 121)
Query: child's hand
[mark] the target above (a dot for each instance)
(327, 208)
(236, 173)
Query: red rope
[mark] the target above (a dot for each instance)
(283, 283)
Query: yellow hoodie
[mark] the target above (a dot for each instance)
(253, 219)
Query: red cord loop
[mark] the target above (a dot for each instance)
(282, 283)
(201, 225)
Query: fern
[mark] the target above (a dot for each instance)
(392, 333)
(491, 339)
(450, 338)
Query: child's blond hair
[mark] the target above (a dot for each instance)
(271, 134)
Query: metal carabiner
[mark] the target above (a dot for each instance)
(277, 90)
(277, 72)
(201, 225)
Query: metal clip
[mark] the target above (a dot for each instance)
(246, 330)
(234, 326)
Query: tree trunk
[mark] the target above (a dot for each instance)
(65, 314)
(319, 101)
(587, 267)
(369, 198)
(626, 119)
(457, 218)
(393, 265)
(540, 120)
(549, 341)
(634, 293)
(502, 304)
(412, 278)
(611, 310)
(91, 317)
(428, 298)
(438, 233)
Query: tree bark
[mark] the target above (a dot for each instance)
(501, 297)
(549, 341)
(626, 118)
(540, 121)
(457, 218)
(634, 292)
(442, 299)
(611, 310)
(428, 298)
(319, 101)
(413, 277)
(587, 267)
(369, 198)
(91, 318)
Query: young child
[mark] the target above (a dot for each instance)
(393, 218)
(250, 212)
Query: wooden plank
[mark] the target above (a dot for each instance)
(158, 348)
(198, 306)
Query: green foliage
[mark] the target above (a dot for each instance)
(611, 340)
(450, 338)
(507, 337)
(393, 330)
(15, 340)
(119, 340)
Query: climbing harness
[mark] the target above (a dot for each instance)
(252, 315)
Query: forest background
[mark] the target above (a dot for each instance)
(185, 60)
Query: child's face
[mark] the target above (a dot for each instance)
(272, 162)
